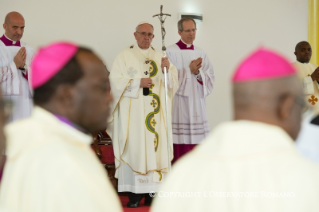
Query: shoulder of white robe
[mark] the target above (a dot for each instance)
(29, 48)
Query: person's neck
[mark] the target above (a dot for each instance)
(63, 116)
(187, 44)
(255, 115)
(54, 108)
(303, 62)
(142, 48)
(14, 41)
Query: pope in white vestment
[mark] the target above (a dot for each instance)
(14, 82)
(138, 127)
(189, 123)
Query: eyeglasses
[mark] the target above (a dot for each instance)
(190, 30)
(299, 100)
(150, 35)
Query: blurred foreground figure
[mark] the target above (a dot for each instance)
(308, 140)
(249, 164)
(50, 165)
(5, 112)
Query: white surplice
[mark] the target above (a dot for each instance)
(51, 167)
(308, 140)
(190, 124)
(138, 123)
(311, 88)
(242, 166)
(14, 86)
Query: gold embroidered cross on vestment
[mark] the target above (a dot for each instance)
(312, 100)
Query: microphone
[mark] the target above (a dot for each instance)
(146, 91)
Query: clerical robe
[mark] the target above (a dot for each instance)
(14, 82)
(190, 125)
(242, 166)
(311, 88)
(50, 167)
(308, 140)
(138, 126)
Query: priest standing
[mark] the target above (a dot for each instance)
(15, 59)
(308, 74)
(138, 126)
(196, 81)
(249, 164)
(50, 165)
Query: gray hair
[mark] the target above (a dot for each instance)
(136, 28)
(180, 23)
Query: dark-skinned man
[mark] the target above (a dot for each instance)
(249, 164)
(50, 166)
(15, 60)
(308, 74)
(308, 142)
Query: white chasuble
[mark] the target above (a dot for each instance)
(190, 124)
(51, 167)
(307, 142)
(14, 86)
(242, 166)
(311, 88)
(138, 123)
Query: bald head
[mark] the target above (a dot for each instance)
(13, 16)
(300, 44)
(277, 102)
(14, 26)
(303, 52)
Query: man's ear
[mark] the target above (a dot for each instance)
(65, 94)
(295, 53)
(285, 107)
(179, 32)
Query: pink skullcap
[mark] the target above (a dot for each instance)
(263, 64)
(49, 60)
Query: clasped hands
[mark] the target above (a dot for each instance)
(195, 65)
(315, 75)
(20, 58)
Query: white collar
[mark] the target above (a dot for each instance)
(143, 50)
(188, 45)
(13, 42)
(302, 63)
